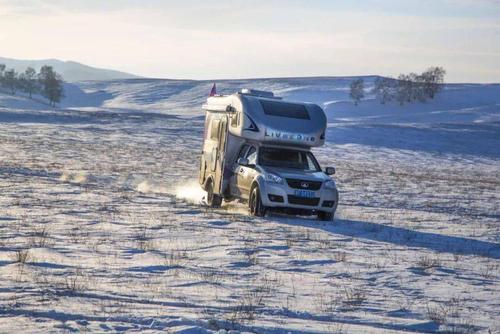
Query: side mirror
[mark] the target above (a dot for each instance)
(243, 162)
(330, 170)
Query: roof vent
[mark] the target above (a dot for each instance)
(255, 92)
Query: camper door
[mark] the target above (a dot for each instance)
(220, 125)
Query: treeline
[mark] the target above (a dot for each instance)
(46, 82)
(407, 88)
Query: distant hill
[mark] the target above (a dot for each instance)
(71, 71)
(462, 119)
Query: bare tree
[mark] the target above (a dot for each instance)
(385, 89)
(2, 69)
(10, 80)
(403, 93)
(415, 91)
(28, 81)
(51, 85)
(357, 90)
(432, 80)
(408, 88)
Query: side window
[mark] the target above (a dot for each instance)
(252, 156)
(214, 129)
(243, 150)
(234, 120)
(311, 164)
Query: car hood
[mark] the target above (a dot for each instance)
(288, 173)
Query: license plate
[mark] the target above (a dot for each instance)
(304, 193)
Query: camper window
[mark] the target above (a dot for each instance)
(283, 109)
(235, 119)
(214, 130)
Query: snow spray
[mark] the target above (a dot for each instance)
(190, 191)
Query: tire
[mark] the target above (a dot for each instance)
(213, 200)
(326, 216)
(255, 203)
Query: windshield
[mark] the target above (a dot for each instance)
(288, 158)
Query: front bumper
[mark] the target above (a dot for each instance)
(283, 196)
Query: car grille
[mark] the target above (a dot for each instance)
(303, 200)
(299, 184)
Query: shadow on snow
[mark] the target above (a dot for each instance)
(404, 237)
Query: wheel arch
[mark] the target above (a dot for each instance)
(257, 182)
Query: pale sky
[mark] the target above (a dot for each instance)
(216, 39)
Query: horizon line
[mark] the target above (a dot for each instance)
(141, 77)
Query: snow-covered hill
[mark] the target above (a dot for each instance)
(102, 230)
(469, 109)
(70, 70)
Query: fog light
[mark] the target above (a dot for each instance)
(275, 198)
(328, 204)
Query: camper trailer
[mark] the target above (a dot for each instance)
(257, 149)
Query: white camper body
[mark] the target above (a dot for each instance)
(249, 120)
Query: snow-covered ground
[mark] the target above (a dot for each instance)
(101, 228)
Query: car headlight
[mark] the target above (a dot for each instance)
(330, 185)
(273, 178)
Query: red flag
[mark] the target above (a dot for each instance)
(213, 92)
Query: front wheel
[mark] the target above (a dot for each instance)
(255, 203)
(326, 216)
(213, 200)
